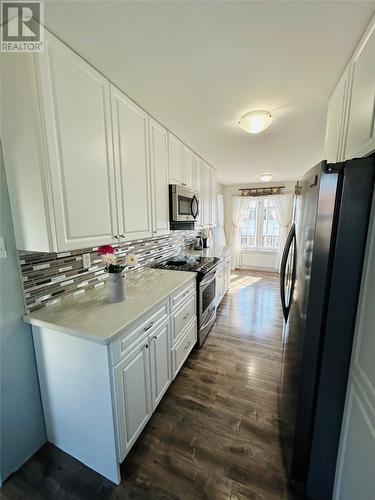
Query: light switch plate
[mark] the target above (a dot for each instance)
(86, 258)
(3, 251)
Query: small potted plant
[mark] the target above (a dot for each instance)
(116, 278)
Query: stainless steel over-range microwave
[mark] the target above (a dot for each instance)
(184, 204)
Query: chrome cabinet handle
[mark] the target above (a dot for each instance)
(149, 326)
(122, 235)
(186, 315)
(116, 236)
(187, 345)
(146, 346)
(155, 337)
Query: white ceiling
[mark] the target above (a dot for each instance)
(197, 66)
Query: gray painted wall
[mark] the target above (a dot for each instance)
(22, 429)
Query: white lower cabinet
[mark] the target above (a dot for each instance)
(160, 365)
(146, 368)
(223, 277)
(141, 380)
(133, 393)
(182, 348)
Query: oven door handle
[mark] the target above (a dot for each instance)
(211, 314)
(208, 279)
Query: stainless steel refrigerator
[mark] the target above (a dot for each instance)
(319, 284)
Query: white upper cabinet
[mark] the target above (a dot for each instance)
(68, 121)
(77, 116)
(80, 168)
(176, 160)
(197, 182)
(160, 177)
(213, 197)
(360, 137)
(351, 109)
(337, 120)
(206, 195)
(130, 132)
(189, 167)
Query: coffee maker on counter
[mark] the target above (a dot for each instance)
(202, 240)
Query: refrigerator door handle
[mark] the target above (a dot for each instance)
(284, 260)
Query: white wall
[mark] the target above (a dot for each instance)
(251, 259)
(21, 417)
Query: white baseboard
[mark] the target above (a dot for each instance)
(259, 268)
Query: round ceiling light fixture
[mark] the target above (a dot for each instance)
(266, 177)
(255, 121)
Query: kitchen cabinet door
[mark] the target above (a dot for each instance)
(337, 120)
(160, 177)
(197, 183)
(160, 353)
(206, 195)
(227, 273)
(131, 149)
(133, 390)
(188, 167)
(213, 197)
(78, 142)
(361, 137)
(176, 160)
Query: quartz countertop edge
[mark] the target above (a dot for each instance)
(90, 316)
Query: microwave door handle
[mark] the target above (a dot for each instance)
(194, 213)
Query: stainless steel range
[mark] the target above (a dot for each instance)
(205, 267)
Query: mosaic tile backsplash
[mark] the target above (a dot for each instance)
(49, 277)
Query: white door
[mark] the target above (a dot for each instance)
(361, 137)
(77, 121)
(176, 160)
(133, 389)
(189, 167)
(160, 177)
(355, 478)
(336, 120)
(130, 132)
(160, 353)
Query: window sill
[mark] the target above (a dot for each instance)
(259, 250)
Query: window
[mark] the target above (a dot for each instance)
(260, 229)
(249, 227)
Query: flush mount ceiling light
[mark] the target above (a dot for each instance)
(266, 177)
(255, 121)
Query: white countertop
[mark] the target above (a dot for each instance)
(92, 317)
(214, 251)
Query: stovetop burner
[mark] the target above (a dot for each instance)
(176, 262)
(201, 265)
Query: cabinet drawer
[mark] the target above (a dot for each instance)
(181, 295)
(144, 326)
(184, 346)
(183, 316)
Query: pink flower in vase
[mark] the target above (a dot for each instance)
(104, 249)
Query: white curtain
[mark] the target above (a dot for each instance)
(239, 208)
(220, 221)
(283, 214)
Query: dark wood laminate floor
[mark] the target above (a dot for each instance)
(215, 433)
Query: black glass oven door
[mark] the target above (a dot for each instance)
(207, 298)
